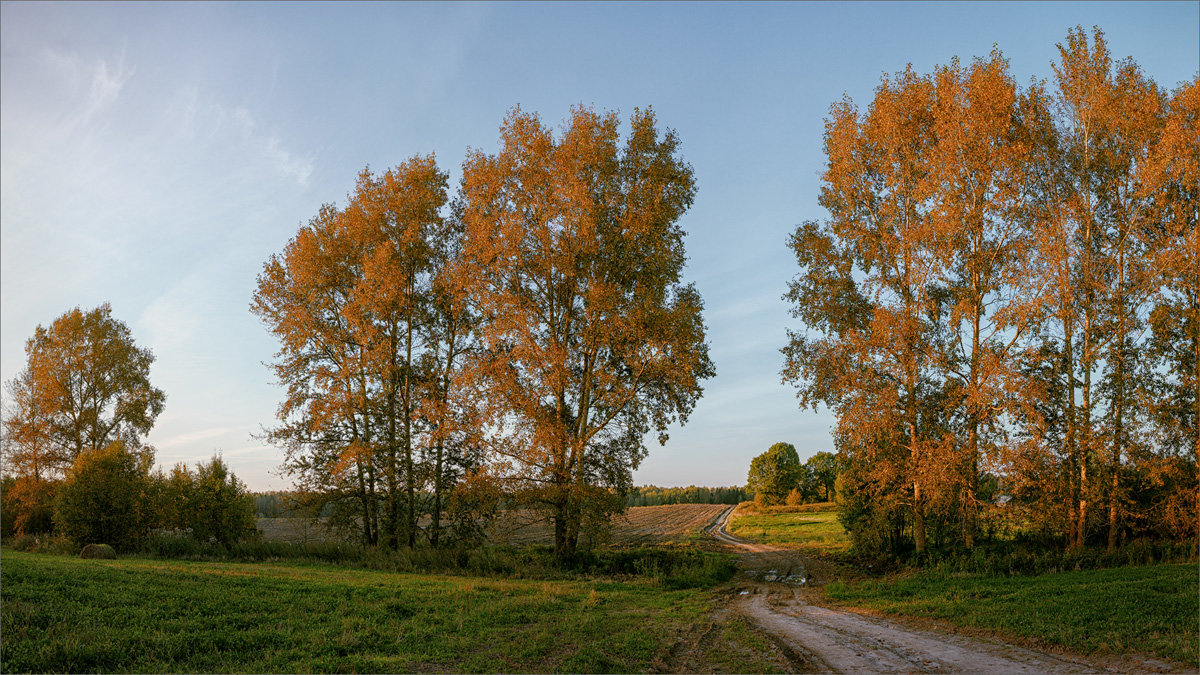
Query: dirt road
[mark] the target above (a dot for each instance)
(774, 589)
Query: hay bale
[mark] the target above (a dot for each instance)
(98, 551)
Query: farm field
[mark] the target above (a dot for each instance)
(811, 528)
(639, 525)
(69, 615)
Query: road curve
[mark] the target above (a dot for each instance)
(773, 590)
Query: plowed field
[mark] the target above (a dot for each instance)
(639, 525)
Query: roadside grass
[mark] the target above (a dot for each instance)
(62, 614)
(1150, 609)
(811, 528)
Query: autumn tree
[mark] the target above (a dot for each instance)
(1096, 234)
(1007, 276)
(328, 420)
(775, 473)
(1171, 180)
(85, 386)
(395, 219)
(982, 185)
(349, 299)
(588, 337)
(868, 290)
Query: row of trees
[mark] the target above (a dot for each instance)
(777, 476)
(652, 495)
(74, 458)
(1009, 281)
(516, 342)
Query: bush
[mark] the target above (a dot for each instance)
(105, 498)
(26, 506)
(53, 544)
(211, 503)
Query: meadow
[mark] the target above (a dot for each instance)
(809, 528)
(1148, 608)
(63, 614)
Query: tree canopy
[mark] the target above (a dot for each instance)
(572, 258)
(775, 473)
(988, 297)
(85, 385)
(524, 337)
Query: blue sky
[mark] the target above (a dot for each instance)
(153, 155)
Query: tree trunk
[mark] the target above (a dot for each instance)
(1087, 440)
(1074, 494)
(971, 502)
(410, 479)
(393, 507)
(1114, 495)
(435, 524)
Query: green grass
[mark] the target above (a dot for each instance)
(813, 528)
(69, 615)
(1150, 609)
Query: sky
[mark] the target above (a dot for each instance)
(153, 155)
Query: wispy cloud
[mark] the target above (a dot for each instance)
(103, 82)
(196, 437)
(271, 149)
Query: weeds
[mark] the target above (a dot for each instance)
(672, 567)
(54, 544)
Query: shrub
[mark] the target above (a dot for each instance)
(105, 498)
(27, 506)
(54, 544)
(211, 503)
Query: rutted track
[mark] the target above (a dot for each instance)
(773, 591)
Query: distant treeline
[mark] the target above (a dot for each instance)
(282, 503)
(652, 495)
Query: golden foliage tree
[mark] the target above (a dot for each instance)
(869, 290)
(85, 385)
(349, 300)
(572, 258)
(982, 289)
(1171, 179)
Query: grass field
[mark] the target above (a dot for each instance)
(64, 614)
(812, 528)
(1149, 609)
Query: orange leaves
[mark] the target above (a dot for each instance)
(980, 289)
(85, 385)
(574, 255)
